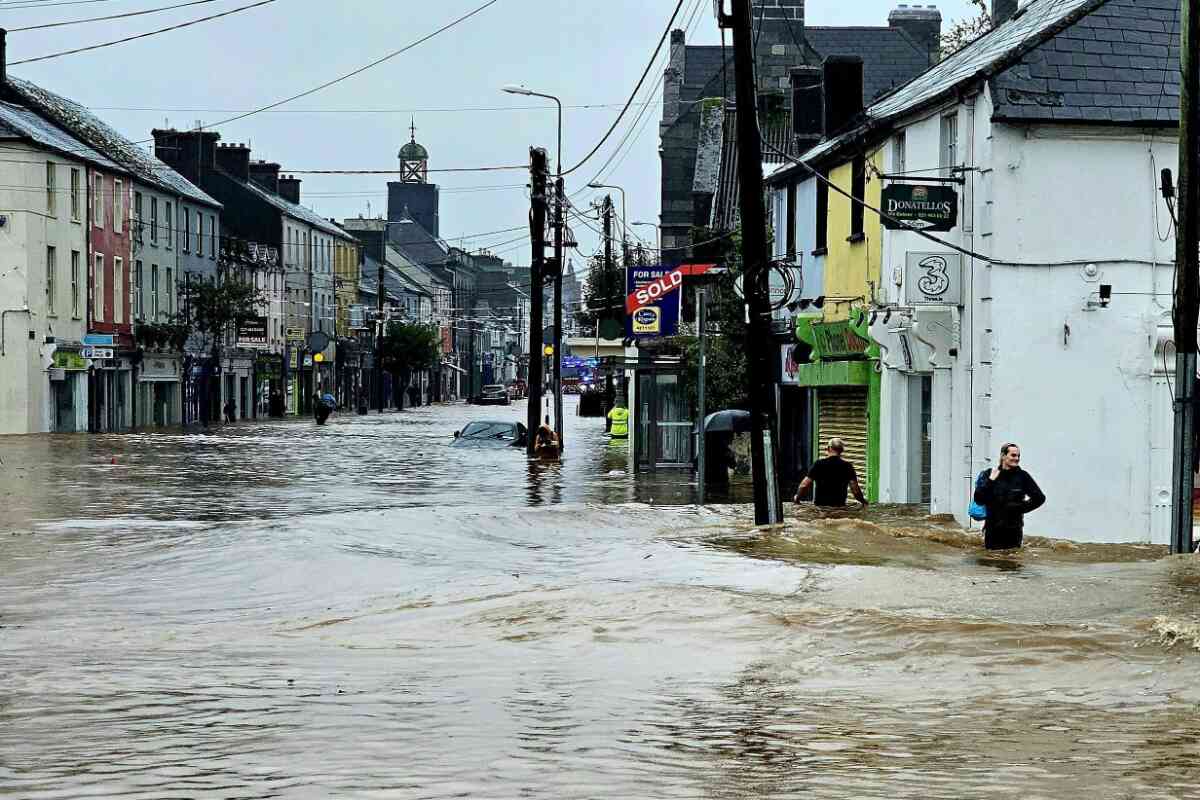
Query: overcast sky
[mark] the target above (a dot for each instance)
(587, 53)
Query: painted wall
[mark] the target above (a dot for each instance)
(851, 266)
(109, 207)
(31, 226)
(1076, 388)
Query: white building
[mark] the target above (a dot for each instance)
(1059, 122)
(43, 274)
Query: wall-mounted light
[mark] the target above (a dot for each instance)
(1105, 294)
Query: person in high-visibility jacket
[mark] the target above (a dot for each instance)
(618, 422)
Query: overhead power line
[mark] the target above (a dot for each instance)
(395, 171)
(143, 35)
(463, 109)
(18, 5)
(633, 95)
(110, 16)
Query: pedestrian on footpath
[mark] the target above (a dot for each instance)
(833, 476)
(1008, 493)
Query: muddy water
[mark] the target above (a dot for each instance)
(280, 610)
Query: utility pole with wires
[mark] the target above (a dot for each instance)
(1186, 308)
(539, 173)
(559, 211)
(768, 506)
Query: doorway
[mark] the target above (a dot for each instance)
(663, 436)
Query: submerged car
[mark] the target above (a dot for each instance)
(493, 395)
(489, 433)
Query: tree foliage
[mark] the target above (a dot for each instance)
(409, 347)
(964, 31)
(604, 290)
(216, 307)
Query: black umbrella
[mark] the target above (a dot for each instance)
(731, 421)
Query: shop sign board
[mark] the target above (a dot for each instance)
(924, 208)
(96, 353)
(295, 334)
(69, 360)
(933, 278)
(252, 332)
(789, 366)
(838, 340)
(99, 339)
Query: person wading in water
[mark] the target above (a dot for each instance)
(1008, 493)
(833, 475)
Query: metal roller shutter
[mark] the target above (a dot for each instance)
(842, 412)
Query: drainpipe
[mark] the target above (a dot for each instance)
(969, 243)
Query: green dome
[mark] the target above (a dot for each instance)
(413, 152)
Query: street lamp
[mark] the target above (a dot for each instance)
(657, 232)
(558, 258)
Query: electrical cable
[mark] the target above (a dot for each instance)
(633, 95)
(110, 16)
(142, 35)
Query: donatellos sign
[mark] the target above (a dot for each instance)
(925, 208)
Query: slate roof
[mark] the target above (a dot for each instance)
(890, 56)
(87, 127)
(1120, 63)
(1047, 64)
(417, 243)
(19, 122)
(295, 211)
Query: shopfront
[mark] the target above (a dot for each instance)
(159, 404)
(68, 391)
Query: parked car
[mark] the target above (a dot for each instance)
(493, 395)
(490, 433)
(520, 389)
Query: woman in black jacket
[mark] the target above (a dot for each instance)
(1009, 493)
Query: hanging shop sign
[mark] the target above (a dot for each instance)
(789, 364)
(99, 339)
(96, 353)
(252, 332)
(838, 340)
(933, 278)
(68, 360)
(295, 334)
(925, 208)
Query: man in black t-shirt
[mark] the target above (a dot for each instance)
(833, 475)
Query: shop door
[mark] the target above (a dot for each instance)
(664, 426)
(926, 439)
(842, 413)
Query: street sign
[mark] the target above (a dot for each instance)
(926, 208)
(99, 339)
(95, 353)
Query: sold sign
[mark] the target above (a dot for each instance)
(657, 289)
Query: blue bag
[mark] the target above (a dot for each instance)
(976, 511)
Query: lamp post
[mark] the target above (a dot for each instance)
(624, 224)
(559, 211)
(657, 233)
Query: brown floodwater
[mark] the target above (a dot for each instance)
(277, 610)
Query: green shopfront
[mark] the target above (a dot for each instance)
(843, 377)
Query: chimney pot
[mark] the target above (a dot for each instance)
(843, 91)
(1002, 10)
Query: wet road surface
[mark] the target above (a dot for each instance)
(360, 611)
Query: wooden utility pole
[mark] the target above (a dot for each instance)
(768, 508)
(559, 199)
(1187, 281)
(539, 171)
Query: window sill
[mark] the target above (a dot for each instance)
(820, 251)
(854, 238)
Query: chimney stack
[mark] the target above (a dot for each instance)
(289, 188)
(234, 159)
(808, 103)
(923, 25)
(266, 175)
(843, 79)
(1002, 10)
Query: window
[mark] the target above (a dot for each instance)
(75, 195)
(138, 216)
(168, 231)
(154, 292)
(98, 282)
(950, 141)
(858, 190)
(186, 217)
(790, 223)
(51, 189)
(822, 216)
(118, 291)
(98, 201)
(75, 284)
(170, 292)
(199, 234)
(51, 279)
(212, 227)
(154, 220)
(139, 310)
(118, 207)
(899, 156)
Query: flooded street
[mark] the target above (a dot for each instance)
(361, 611)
